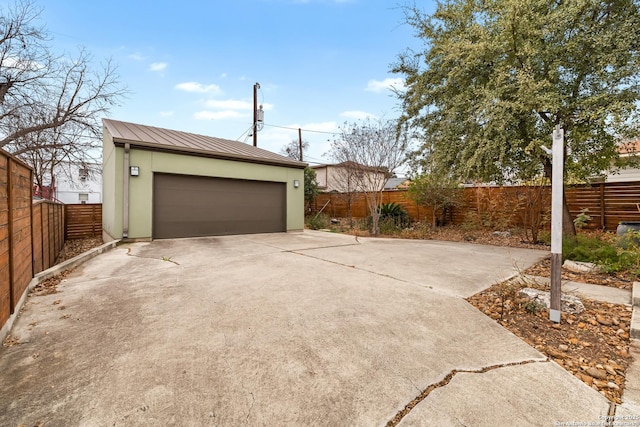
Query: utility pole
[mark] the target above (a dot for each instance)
(255, 114)
(300, 143)
(557, 193)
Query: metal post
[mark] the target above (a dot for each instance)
(300, 143)
(255, 114)
(557, 193)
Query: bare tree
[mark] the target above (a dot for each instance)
(371, 150)
(50, 106)
(345, 184)
(292, 149)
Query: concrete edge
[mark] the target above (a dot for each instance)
(48, 273)
(634, 329)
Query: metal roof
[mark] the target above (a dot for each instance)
(160, 139)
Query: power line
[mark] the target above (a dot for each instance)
(305, 130)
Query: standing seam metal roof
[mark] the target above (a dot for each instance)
(191, 143)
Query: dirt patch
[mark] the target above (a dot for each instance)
(75, 247)
(592, 345)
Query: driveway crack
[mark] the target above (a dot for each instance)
(388, 276)
(427, 391)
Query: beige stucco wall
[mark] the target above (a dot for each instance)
(150, 162)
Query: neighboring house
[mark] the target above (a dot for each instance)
(339, 177)
(625, 174)
(161, 183)
(79, 183)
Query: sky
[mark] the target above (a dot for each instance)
(191, 65)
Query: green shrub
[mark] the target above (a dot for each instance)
(317, 222)
(396, 214)
(603, 253)
(388, 226)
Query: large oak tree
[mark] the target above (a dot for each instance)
(494, 77)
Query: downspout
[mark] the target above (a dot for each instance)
(125, 193)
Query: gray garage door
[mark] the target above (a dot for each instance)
(192, 206)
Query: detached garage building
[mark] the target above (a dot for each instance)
(160, 183)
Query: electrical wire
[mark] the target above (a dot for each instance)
(305, 130)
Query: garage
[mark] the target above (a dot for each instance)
(162, 183)
(194, 206)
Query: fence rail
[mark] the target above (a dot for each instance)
(83, 220)
(607, 203)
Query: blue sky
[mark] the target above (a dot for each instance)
(191, 65)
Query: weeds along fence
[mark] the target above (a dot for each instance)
(499, 207)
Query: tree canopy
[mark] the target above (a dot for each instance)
(369, 152)
(50, 105)
(495, 76)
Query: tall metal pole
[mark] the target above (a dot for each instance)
(557, 193)
(255, 114)
(300, 143)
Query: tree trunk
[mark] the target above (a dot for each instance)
(568, 227)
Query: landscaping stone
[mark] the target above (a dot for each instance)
(501, 234)
(568, 303)
(596, 373)
(581, 267)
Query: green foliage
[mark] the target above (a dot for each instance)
(395, 213)
(318, 222)
(582, 218)
(533, 306)
(494, 78)
(439, 191)
(603, 253)
(310, 185)
(388, 226)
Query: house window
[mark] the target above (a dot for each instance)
(83, 173)
(83, 198)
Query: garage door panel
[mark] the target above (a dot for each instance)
(192, 206)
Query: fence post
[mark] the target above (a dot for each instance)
(603, 222)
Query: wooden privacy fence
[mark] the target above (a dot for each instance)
(607, 204)
(31, 235)
(83, 220)
(16, 268)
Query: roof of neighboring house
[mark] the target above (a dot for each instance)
(395, 183)
(350, 164)
(631, 147)
(150, 137)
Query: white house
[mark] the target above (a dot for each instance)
(76, 183)
(626, 174)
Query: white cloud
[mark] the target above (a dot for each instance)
(223, 75)
(158, 66)
(357, 115)
(384, 85)
(198, 87)
(136, 57)
(166, 113)
(219, 115)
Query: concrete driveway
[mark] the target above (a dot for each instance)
(282, 329)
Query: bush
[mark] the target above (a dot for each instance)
(602, 252)
(317, 222)
(394, 213)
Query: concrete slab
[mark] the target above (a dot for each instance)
(457, 269)
(506, 403)
(261, 330)
(631, 397)
(607, 294)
